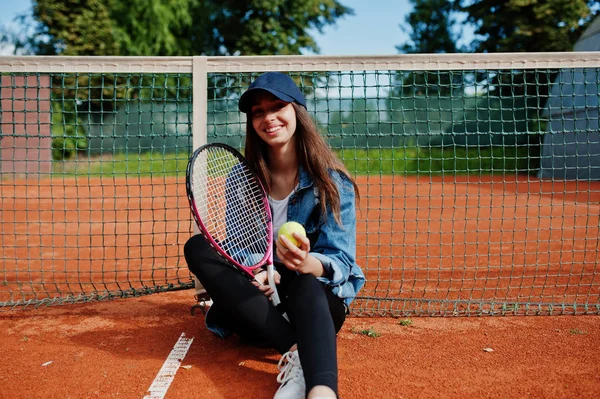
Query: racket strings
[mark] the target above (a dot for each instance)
(231, 205)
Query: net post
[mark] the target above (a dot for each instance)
(199, 100)
(199, 133)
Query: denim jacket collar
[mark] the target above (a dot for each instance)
(304, 179)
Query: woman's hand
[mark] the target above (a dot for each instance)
(296, 258)
(261, 281)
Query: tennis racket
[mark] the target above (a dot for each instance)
(230, 206)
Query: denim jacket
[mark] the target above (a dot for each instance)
(332, 244)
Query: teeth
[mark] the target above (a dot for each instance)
(272, 129)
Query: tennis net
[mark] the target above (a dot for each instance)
(479, 174)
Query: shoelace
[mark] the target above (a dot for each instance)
(291, 370)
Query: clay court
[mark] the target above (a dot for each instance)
(430, 247)
(115, 350)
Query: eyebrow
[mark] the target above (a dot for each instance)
(260, 106)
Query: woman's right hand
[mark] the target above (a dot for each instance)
(261, 281)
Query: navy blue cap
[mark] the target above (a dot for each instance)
(276, 83)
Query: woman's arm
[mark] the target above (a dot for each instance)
(334, 250)
(299, 259)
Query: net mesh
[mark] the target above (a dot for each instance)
(91, 202)
(479, 174)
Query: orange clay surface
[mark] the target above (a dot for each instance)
(115, 349)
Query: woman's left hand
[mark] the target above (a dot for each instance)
(261, 282)
(296, 258)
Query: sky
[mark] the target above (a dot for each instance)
(374, 29)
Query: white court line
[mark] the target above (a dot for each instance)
(165, 376)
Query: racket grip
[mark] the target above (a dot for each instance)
(275, 295)
(271, 278)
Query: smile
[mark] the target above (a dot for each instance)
(273, 129)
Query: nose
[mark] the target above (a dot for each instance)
(270, 115)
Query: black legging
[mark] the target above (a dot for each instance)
(315, 313)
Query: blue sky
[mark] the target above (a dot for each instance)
(10, 8)
(373, 30)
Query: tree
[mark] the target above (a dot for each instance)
(264, 27)
(431, 23)
(69, 27)
(518, 25)
(150, 27)
(177, 27)
(158, 28)
(498, 26)
(526, 26)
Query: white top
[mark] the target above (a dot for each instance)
(279, 215)
(279, 209)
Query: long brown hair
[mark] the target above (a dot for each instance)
(313, 154)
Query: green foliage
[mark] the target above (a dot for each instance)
(576, 331)
(150, 27)
(478, 160)
(528, 26)
(146, 164)
(158, 28)
(178, 27)
(426, 83)
(519, 25)
(72, 27)
(436, 26)
(440, 160)
(68, 134)
(431, 23)
(379, 161)
(405, 322)
(499, 25)
(370, 332)
(77, 98)
(260, 27)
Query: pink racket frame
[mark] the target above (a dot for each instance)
(268, 257)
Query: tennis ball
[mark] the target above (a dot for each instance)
(289, 228)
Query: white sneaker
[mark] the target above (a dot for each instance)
(290, 377)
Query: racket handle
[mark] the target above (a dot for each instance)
(271, 278)
(275, 296)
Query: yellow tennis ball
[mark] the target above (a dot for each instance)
(289, 228)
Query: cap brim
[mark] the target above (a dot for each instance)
(245, 104)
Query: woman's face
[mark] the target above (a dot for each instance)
(273, 119)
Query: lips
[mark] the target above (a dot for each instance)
(273, 130)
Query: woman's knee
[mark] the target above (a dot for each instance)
(195, 252)
(305, 290)
(198, 247)
(192, 246)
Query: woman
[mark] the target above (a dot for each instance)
(318, 279)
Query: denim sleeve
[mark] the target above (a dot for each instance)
(336, 244)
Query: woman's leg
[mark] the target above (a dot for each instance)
(318, 315)
(248, 308)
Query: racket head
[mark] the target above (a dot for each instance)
(230, 206)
